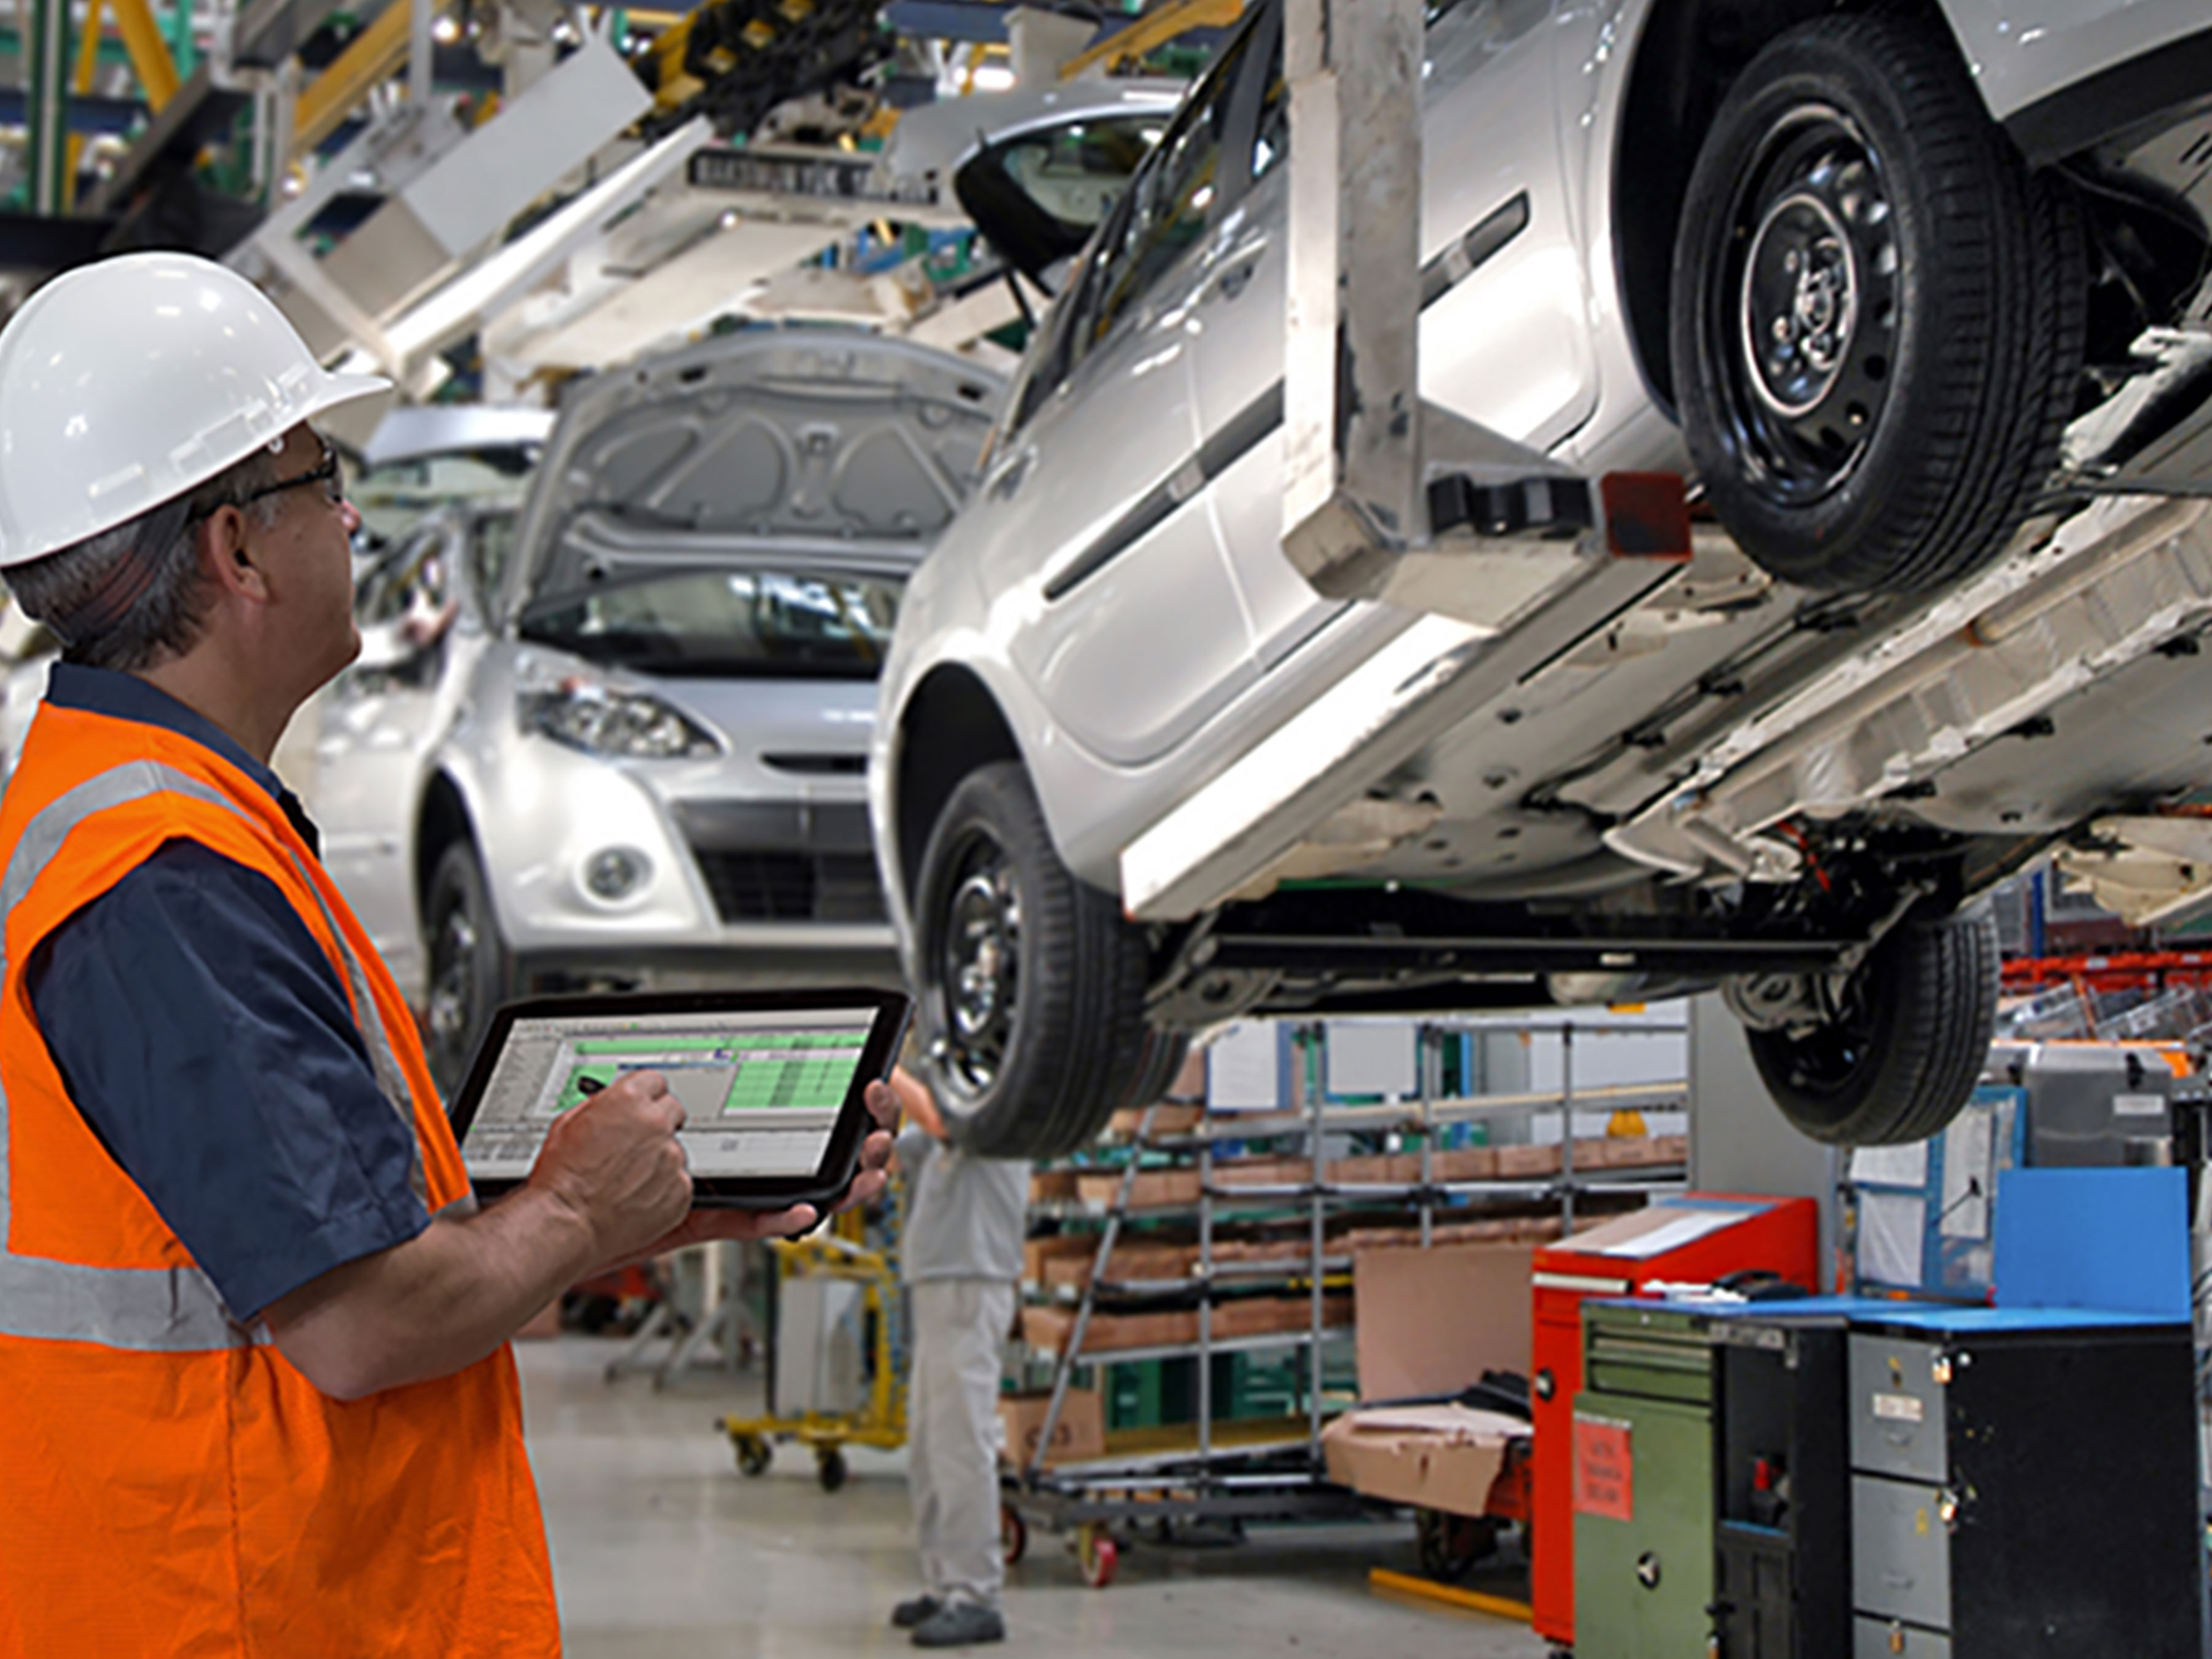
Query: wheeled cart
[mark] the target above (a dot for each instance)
(1157, 1483)
(826, 1286)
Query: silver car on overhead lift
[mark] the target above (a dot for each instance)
(617, 737)
(1915, 293)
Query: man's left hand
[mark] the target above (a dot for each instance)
(713, 1226)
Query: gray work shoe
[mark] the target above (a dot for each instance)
(962, 1624)
(916, 1611)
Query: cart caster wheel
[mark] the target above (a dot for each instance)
(1100, 1556)
(1450, 1545)
(829, 1468)
(1013, 1534)
(754, 1455)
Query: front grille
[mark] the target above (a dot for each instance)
(754, 886)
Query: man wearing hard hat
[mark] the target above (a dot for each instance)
(256, 1394)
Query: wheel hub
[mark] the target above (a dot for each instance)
(1800, 305)
(1814, 296)
(450, 989)
(979, 964)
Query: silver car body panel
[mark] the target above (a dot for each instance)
(815, 452)
(1133, 681)
(2025, 50)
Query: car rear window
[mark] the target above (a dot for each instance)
(710, 623)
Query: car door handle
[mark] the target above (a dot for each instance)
(1234, 280)
(1009, 479)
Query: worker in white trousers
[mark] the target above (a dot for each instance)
(960, 1258)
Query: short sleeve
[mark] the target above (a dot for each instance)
(208, 1041)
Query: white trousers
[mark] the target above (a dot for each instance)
(953, 1434)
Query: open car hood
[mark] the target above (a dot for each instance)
(838, 449)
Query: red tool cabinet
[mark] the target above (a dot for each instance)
(1682, 1238)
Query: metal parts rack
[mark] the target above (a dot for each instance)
(1234, 1472)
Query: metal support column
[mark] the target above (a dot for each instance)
(1567, 1128)
(1351, 416)
(1315, 1035)
(45, 83)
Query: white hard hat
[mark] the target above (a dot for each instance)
(128, 381)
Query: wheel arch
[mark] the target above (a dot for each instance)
(952, 724)
(442, 819)
(1689, 54)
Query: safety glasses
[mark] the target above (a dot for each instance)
(324, 473)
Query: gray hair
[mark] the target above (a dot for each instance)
(135, 595)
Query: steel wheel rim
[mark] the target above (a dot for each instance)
(452, 981)
(1824, 1062)
(979, 962)
(1809, 310)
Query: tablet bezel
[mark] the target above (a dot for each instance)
(830, 1177)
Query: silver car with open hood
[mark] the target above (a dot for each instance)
(619, 738)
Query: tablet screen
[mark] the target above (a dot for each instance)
(761, 1090)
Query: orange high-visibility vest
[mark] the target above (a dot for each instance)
(169, 1485)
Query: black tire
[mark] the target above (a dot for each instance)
(470, 972)
(829, 1468)
(754, 1456)
(1878, 316)
(1031, 983)
(1165, 1053)
(1910, 1046)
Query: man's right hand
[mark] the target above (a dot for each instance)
(615, 1162)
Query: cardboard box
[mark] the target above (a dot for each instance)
(1129, 1263)
(1168, 1118)
(1080, 1431)
(1048, 1328)
(1437, 1457)
(1267, 1315)
(1264, 1172)
(1152, 1189)
(1431, 1322)
(1521, 1163)
(1039, 1254)
(1046, 1185)
(1465, 1163)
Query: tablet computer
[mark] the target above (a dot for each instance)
(772, 1082)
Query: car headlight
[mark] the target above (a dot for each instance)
(601, 720)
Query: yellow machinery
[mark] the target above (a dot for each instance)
(840, 1253)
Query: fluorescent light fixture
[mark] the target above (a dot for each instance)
(994, 77)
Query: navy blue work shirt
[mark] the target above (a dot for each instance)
(209, 1043)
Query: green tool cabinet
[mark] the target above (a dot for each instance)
(1643, 1484)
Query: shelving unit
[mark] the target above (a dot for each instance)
(1236, 1470)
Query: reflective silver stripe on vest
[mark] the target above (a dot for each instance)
(145, 1309)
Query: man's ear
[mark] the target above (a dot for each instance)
(227, 557)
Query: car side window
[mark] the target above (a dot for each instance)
(1174, 197)
(1165, 210)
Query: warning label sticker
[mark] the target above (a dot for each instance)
(1605, 1469)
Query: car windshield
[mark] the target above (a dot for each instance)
(701, 624)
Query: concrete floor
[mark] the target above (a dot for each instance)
(662, 1551)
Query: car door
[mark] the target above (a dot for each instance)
(1136, 634)
(379, 719)
(1504, 335)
